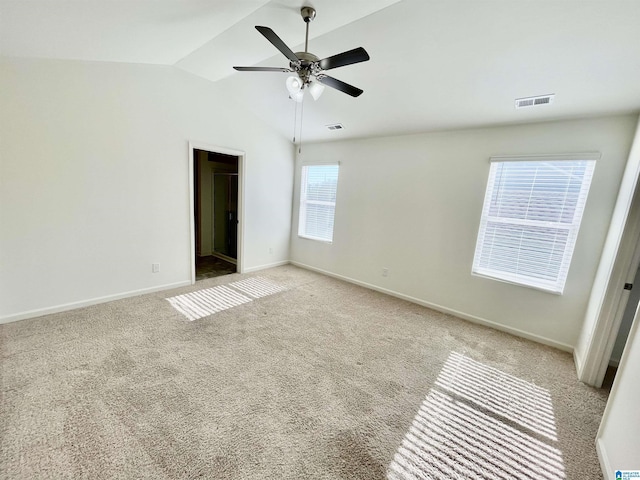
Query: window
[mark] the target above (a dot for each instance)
(319, 184)
(531, 217)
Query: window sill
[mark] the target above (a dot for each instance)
(321, 240)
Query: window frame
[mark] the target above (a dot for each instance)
(555, 287)
(303, 202)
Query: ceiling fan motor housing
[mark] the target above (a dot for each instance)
(306, 66)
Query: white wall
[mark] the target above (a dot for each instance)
(412, 204)
(94, 180)
(617, 441)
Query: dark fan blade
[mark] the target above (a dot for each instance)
(263, 69)
(356, 55)
(339, 85)
(277, 42)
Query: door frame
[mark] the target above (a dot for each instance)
(619, 258)
(192, 225)
(605, 331)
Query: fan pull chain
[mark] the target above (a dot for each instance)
(295, 120)
(301, 115)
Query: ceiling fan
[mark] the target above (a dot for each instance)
(308, 67)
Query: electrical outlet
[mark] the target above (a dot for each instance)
(155, 267)
(385, 272)
(270, 250)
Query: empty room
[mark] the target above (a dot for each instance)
(277, 239)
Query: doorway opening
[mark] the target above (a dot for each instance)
(216, 207)
(623, 332)
(628, 305)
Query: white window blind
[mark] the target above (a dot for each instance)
(530, 221)
(319, 185)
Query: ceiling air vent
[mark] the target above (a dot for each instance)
(535, 101)
(335, 126)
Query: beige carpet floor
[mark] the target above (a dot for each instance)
(324, 380)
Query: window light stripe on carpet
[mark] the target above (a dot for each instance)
(203, 303)
(257, 287)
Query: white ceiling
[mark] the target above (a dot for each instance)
(435, 64)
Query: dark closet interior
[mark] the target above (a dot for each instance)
(216, 213)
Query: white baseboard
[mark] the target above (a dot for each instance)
(263, 267)
(440, 308)
(605, 465)
(86, 303)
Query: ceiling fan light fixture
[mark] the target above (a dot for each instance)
(316, 89)
(294, 85)
(295, 88)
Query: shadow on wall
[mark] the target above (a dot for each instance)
(478, 422)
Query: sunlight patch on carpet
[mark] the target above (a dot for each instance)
(257, 287)
(502, 394)
(479, 422)
(206, 302)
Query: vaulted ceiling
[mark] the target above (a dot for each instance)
(435, 64)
